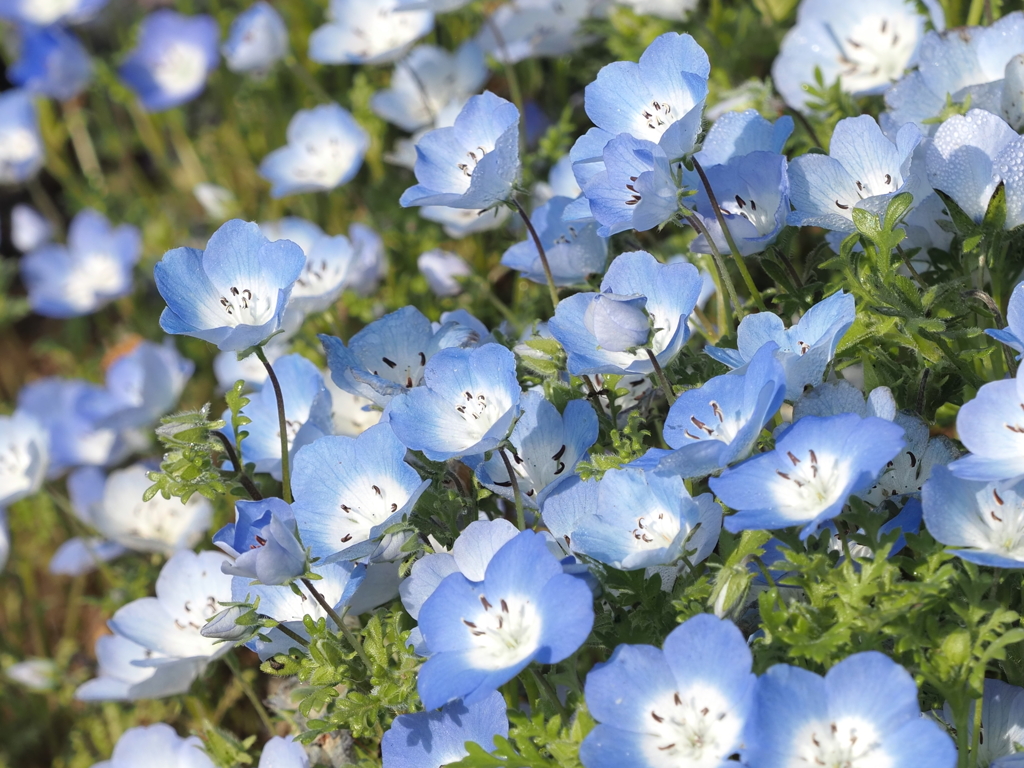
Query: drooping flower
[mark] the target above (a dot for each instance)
(325, 149)
(367, 32)
(52, 62)
(863, 711)
(172, 59)
(263, 543)
(467, 404)
(991, 427)
(482, 634)
(24, 456)
(21, 145)
(157, 746)
(349, 490)
(472, 164)
(816, 466)
(685, 705)
(671, 292)
(257, 40)
(234, 293)
(804, 350)
(430, 739)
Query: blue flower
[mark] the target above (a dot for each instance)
(370, 264)
(307, 408)
(1002, 715)
(349, 490)
(970, 156)
(263, 543)
(428, 80)
(21, 145)
(234, 293)
(982, 520)
(172, 59)
(325, 149)
(121, 676)
(519, 31)
(660, 99)
(684, 705)
(257, 40)
(367, 32)
(430, 739)
(145, 745)
(671, 292)
(472, 164)
(991, 427)
(42, 13)
(736, 134)
(94, 268)
(816, 466)
(866, 46)
(467, 404)
(719, 422)
(24, 456)
(1013, 334)
(29, 228)
(283, 753)
(389, 355)
(462, 222)
(147, 381)
(805, 349)
(633, 518)
(864, 710)
(482, 634)
(575, 251)
(546, 446)
(971, 62)
(52, 62)
(863, 169)
(442, 271)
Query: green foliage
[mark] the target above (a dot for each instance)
(188, 467)
(626, 445)
(224, 748)
(534, 742)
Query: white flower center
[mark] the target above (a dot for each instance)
(1002, 512)
(504, 633)
(473, 158)
(17, 145)
(762, 218)
(367, 507)
(811, 485)
(844, 743)
(246, 306)
(196, 612)
(480, 413)
(408, 373)
(45, 12)
(693, 728)
(722, 428)
(319, 276)
(181, 69)
(876, 50)
(655, 529)
(15, 462)
(325, 161)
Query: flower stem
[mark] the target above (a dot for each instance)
(540, 250)
(910, 267)
(516, 493)
(550, 694)
(282, 425)
(737, 257)
(723, 273)
(250, 694)
(337, 619)
(244, 479)
(662, 378)
(291, 633)
(976, 731)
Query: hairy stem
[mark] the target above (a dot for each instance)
(244, 479)
(552, 288)
(516, 493)
(339, 620)
(662, 378)
(250, 693)
(723, 273)
(282, 425)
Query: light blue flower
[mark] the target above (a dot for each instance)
(1013, 334)
(350, 490)
(24, 456)
(805, 349)
(122, 676)
(817, 464)
(148, 381)
(307, 408)
(482, 634)
(991, 427)
(1002, 719)
(467, 404)
(148, 745)
(389, 355)
(718, 423)
(863, 169)
(634, 518)
(526, 30)
(472, 164)
(93, 269)
(429, 739)
(866, 46)
(546, 446)
(671, 291)
(283, 753)
(257, 40)
(574, 249)
(428, 80)
(52, 62)
(970, 62)
(367, 32)
(685, 705)
(370, 264)
(172, 59)
(864, 710)
(462, 222)
(42, 13)
(442, 271)
(29, 228)
(21, 145)
(263, 543)
(970, 156)
(983, 521)
(234, 293)
(325, 149)
(735, 134)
